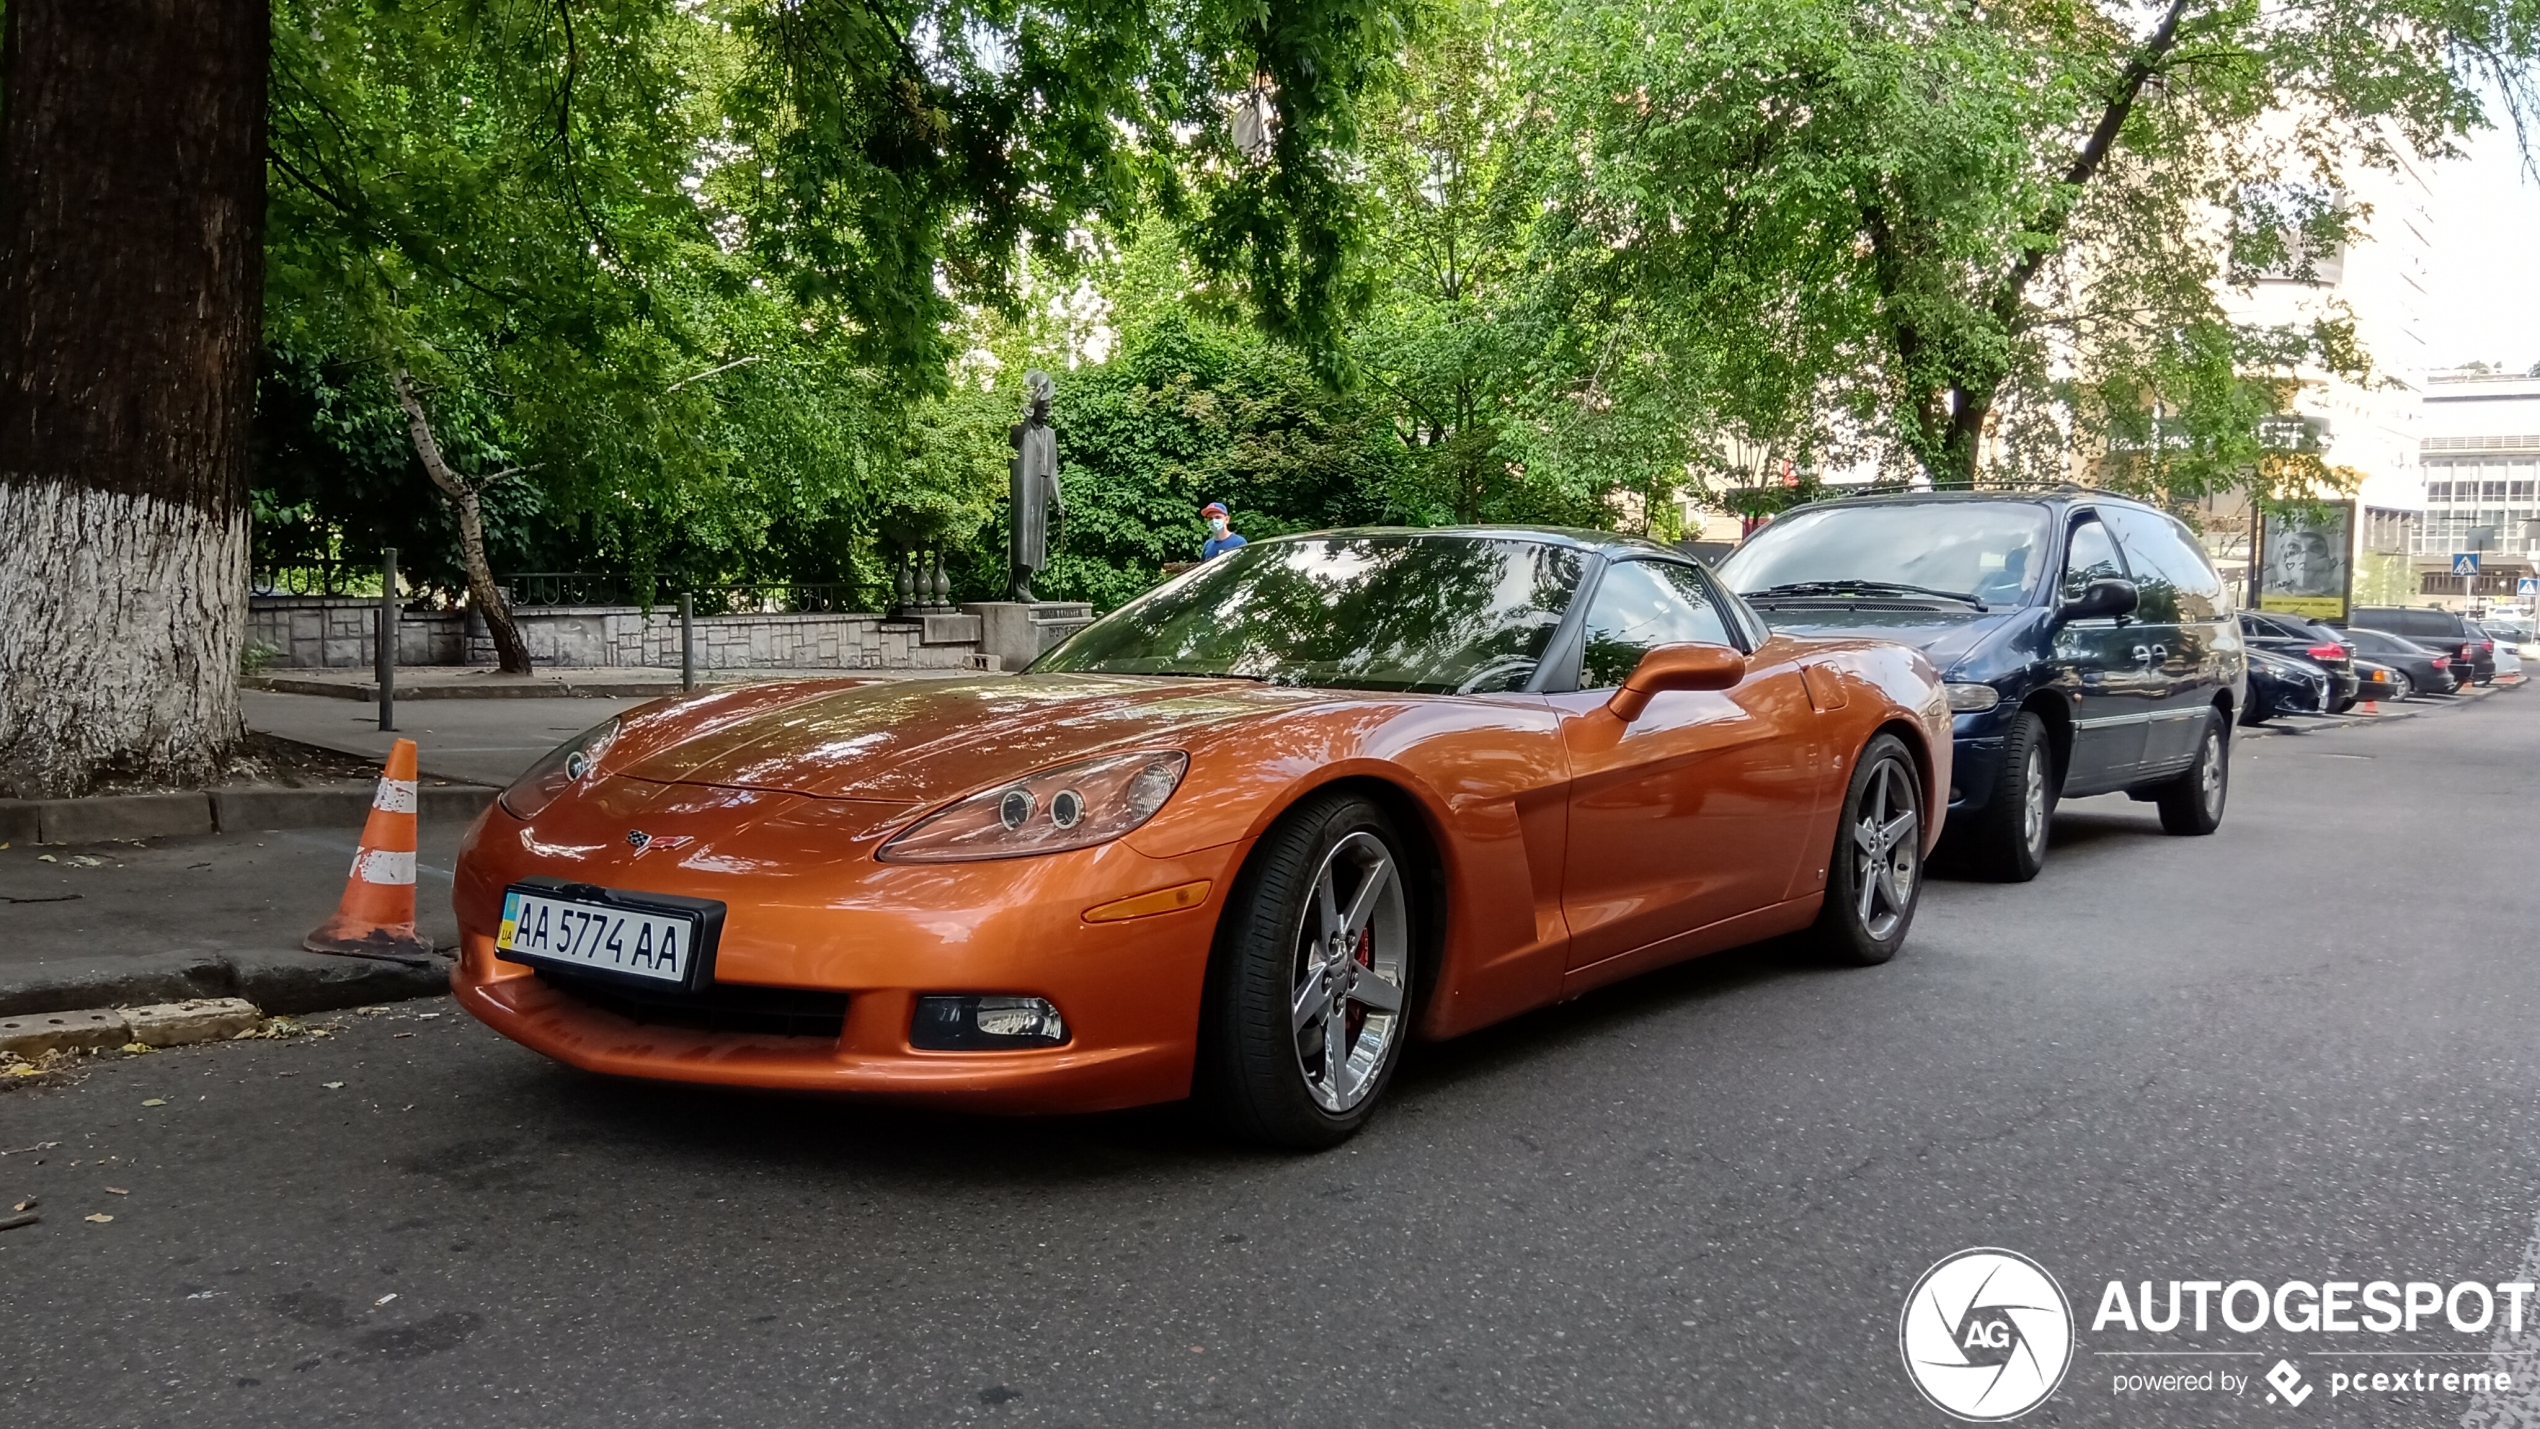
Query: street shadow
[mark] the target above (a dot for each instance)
(746, 1129)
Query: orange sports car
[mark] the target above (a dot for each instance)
(1241, 838)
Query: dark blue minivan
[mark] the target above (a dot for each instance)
(2087, 644)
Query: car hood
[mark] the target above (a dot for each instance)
(917, 741)
(1944, 636)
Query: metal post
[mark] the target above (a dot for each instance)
(388, 638)
(687, 641)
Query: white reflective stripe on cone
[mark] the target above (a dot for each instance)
(395, 796)
(378, 865)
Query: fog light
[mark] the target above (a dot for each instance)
(972, 1024)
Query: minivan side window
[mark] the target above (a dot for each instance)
(1640, 604)
(2176, 580)
(2090, 556)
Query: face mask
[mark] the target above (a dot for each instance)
(1217, 524)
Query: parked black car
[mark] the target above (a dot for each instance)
(2290, 635)
(2428, 672)
(2377, 681)
(2281, 685)
(2086, 641)
(2442, 631)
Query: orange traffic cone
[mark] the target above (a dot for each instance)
(377, 917)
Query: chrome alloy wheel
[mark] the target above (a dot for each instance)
(1887, 846)
(2033, 816)
(1352, 973)
(2209, 782)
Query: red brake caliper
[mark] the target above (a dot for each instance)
(1366, 959)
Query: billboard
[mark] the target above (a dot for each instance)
(2307, 563)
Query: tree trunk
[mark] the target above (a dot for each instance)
(132, 203)
(509, 650)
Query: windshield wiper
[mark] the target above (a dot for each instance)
(1194, 675)
(1866, 587)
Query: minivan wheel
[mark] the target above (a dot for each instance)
(2193, 802)
(1875, 877)
(2006, 840)
(1309, 998)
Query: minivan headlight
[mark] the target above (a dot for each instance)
(1970, 699)
(1071, 806)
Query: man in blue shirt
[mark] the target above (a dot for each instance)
(1220, 538)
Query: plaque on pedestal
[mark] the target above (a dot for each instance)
(1017, 631)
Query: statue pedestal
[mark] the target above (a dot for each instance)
(1016, 631)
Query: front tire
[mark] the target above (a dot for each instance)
(2193, 802)
(2401, 686)
(2006, 841)
(1875, 878)
(1309, 997)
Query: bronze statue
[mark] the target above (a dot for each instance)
(1035, 485)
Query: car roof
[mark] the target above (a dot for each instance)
(1611, 543)
(2048, 495)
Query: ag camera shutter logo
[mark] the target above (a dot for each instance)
(1987, 1335)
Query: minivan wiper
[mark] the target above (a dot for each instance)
(1867, 587)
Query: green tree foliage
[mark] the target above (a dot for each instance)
(1191, 411)
(1970, 237)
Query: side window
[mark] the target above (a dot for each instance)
(1641, 604)
(2090, 556)
(2177, 582)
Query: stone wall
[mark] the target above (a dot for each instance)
(338, 632)
(310, 632)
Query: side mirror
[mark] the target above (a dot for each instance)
(1676, 667)
(2104, 598)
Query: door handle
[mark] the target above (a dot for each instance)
(2160, 654)
(2143, 654)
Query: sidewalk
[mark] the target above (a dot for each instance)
(474, 741)
(467, 682)
(213, 915)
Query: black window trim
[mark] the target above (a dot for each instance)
(1558, 673)
(2073, 518)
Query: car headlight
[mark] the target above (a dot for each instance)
(564, 766)
(1070, 807)
(1969, 699)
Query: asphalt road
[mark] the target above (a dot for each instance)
(2299, 1050)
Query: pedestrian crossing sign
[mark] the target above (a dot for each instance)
(2465, 563)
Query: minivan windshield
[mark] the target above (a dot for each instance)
(1986, 550)
(1381, 611)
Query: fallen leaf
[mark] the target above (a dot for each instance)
(26, 1205)
(83, 860)
(330, 1086)
(155, 1101)
(46, 858)
(117, 1191)
(100, 1217)
(394, 1035)
(137, 1047)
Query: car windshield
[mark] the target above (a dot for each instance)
(1984, 550)
(1437, 614)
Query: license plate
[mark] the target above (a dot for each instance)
(543, 927)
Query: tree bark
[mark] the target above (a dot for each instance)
(132, 206)
(510, 651)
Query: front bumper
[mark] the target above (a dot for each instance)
(884, 935)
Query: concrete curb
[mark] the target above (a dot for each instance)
(235, 809)
(165, 1024)
(287, 983)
